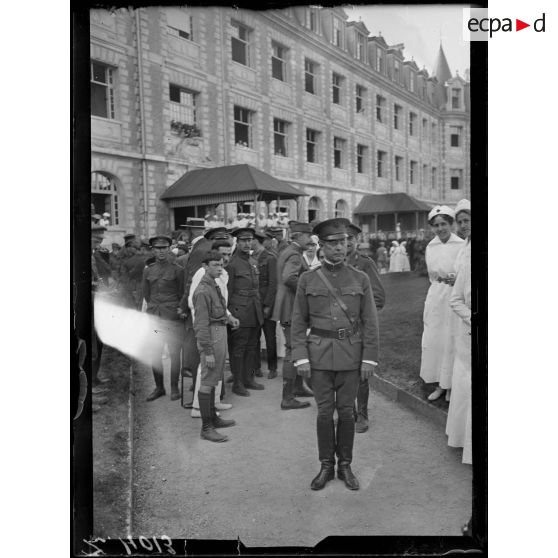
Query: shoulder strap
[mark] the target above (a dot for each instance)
(335, 295)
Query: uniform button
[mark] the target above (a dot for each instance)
(334, 318)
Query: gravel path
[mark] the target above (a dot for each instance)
(256, 486)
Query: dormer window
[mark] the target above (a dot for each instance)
(337, 38)
(455, 99)
(360, 48)
(311, 19)
(412, 79)
(379, 60)
(396, 71)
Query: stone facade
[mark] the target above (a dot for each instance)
(190, 52)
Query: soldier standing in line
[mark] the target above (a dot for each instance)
(278, 235)
(335, 302)
(363, 263)
(131, 276)
(267, 267)
(290, 265)
(244, 304)
(163, 287)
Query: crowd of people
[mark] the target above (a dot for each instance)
(309, 291)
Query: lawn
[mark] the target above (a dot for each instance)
(401, 332)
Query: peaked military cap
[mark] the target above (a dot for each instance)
(260, 235)
(297, 226)
(216, 233)
(353, 230)
(244, 232)
(332, 229)
(160, 240)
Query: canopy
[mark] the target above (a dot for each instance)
(373, 204)
(234, 183)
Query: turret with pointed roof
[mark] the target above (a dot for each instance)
(441, 69)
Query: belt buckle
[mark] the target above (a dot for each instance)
(341, 333)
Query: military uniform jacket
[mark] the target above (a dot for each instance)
(209, 309)
(267, 267)
(316, 307)
(131, 271)
(243, 287)
(362, 263)
(163, 287)
(290, 264)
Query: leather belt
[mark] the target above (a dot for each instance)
(341, 333)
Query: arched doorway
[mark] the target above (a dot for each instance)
(104, 196)
(315, 209)
(341, 208)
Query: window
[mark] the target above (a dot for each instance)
(341, 209)
(337, 83)
(181, 26)
(242, 126)
(398, 167)
(360, 47)
(455, 98)
(434, 177)
(279, 62)
(102, 90)
(338, 153)
(397, 116)
(379, 60)
(434, 133)
(312, 145)
(455, 136)
(412, 124)
(182, 105)
(382, 155)
(424, 129)
(412, 79)
(396, 71)
(315, 208)
(311, 19)
(104, 196)
(337, 38)
(360, 92)
(424, 175)
(456, 177)
(280, 132)
(413, 172)
(310, 73)
(380, 108)
(361, 158)
(240, 42)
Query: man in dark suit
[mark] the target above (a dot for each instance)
(163, 287)
(267, 267)
(341, 348)
(244, 304)
(363, 263)
(290, 265)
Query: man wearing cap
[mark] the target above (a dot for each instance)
(336, 303)
(163, 287)
(367, 265)
(131, 275)
(267, 267)
(290, 265)
(278, 234)
(244, 304)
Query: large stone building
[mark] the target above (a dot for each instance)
(302, 94)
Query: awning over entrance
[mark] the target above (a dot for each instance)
(372, 204)
(230, 184)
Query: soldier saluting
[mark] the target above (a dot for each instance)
(336, 303)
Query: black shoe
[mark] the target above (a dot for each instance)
(325, 475)
(212, 435)
(272, 374)
(258, 373)
(155, 394)
(239, 389)
(361, 424)
(293, 403)
(251, 384)
(218, 422)
(175, 394)
(345, 474)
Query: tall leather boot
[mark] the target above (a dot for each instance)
(174, 376)
(236, 371)
(208, 431)
(362, 407)
(249, 382)
(249, 369)
(344, 450)
(326, 453)
(288, 400)
(216, 420)
(301, 389)
(159, 390)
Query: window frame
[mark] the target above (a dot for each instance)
(413, 117)
(337, 87)
(314, 141)
(413, 165)
(312, 72)
(381, 105)
(184, 106)
(361, 151)
(279, 63)
(381, 157)
(281, 132)
(337, 32)
(360, 96)
(458, 135)
(397, 112)
(360, 50)
(245, 43)
(455, 96)
(339, 147)
(248, 123)
(109, 86)
(397, 159)
(397, 71)
(380, 60)
(456, 174)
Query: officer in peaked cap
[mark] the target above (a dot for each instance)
(367, 265)
(290, 265)
(244, 304)
(163, 286)
(217, 233)
(278, 233)
(340, 349)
